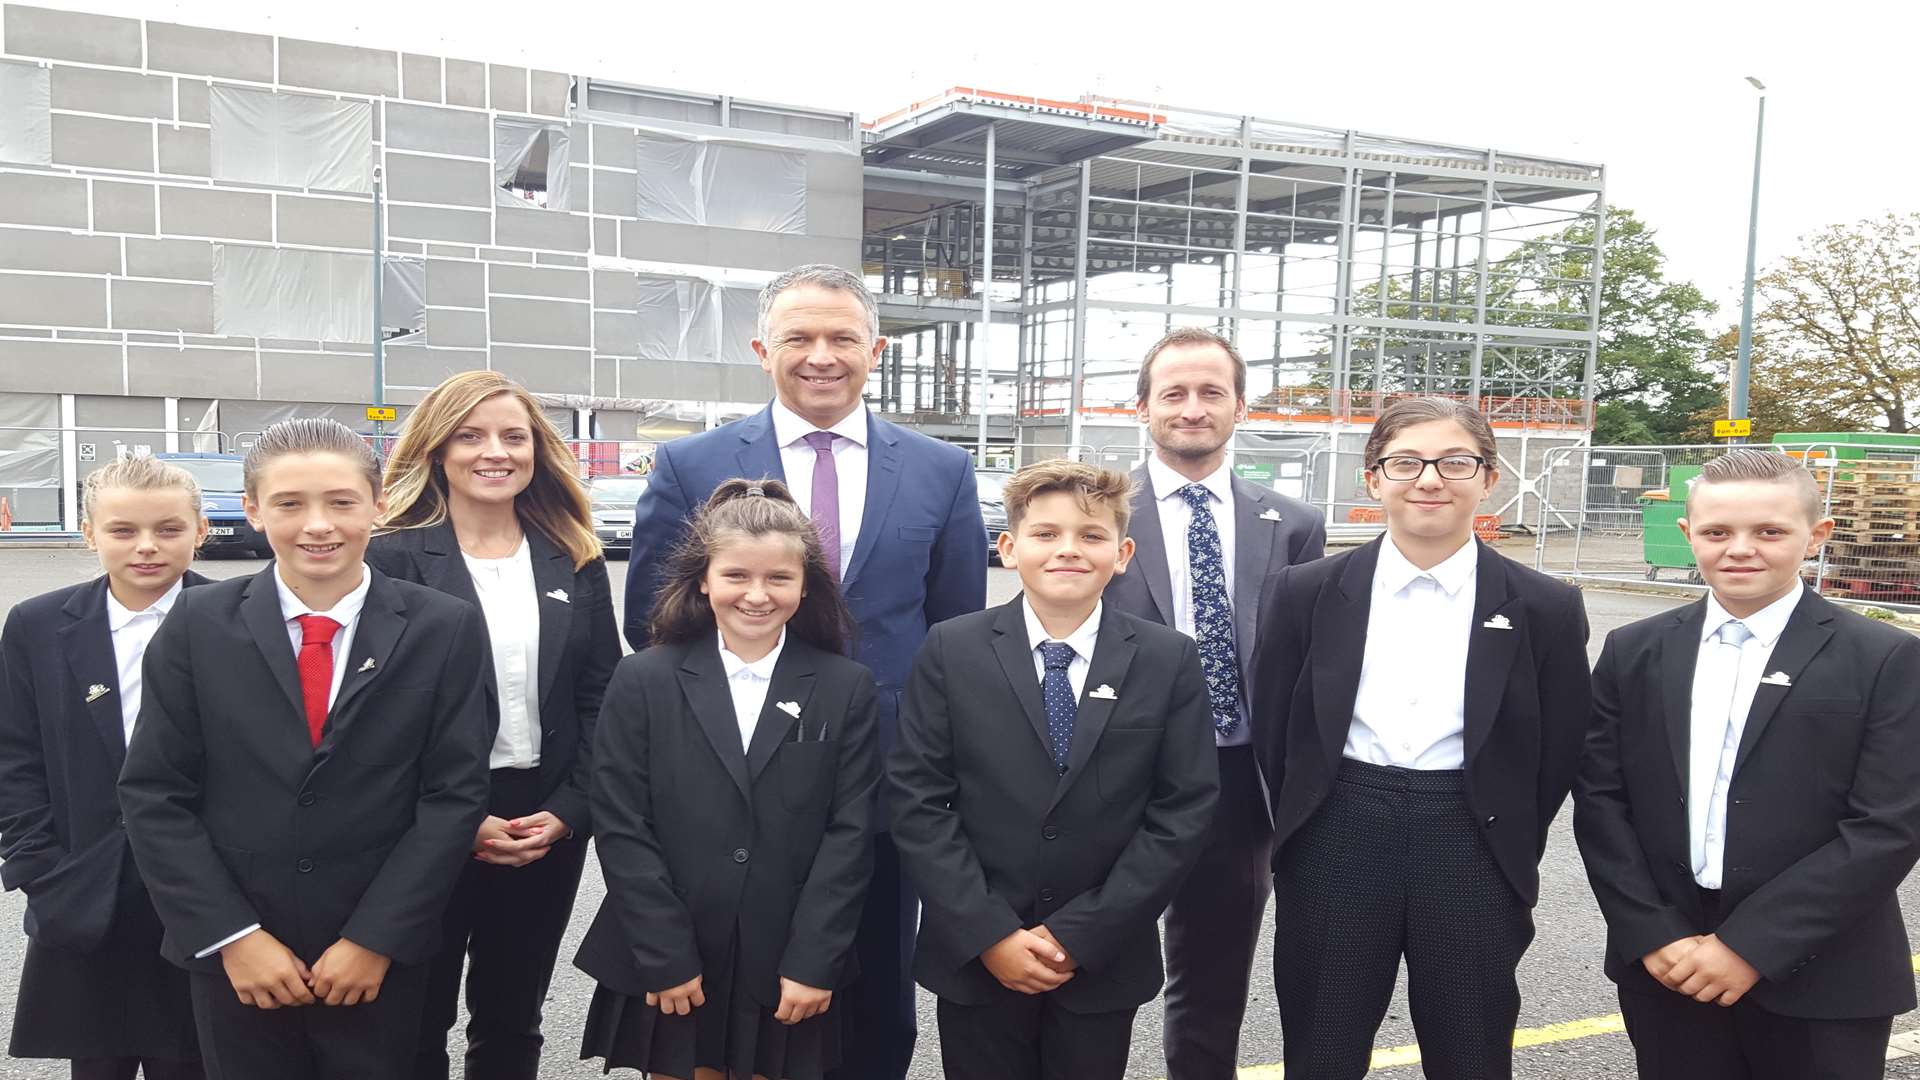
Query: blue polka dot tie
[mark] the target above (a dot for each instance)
(1057, 689)
(1212, 612)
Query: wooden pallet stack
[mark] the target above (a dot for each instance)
(1875, 550)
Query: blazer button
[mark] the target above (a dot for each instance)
(120, 820)
(739, 854)
(1049, 832)
(1046, 896)
(308, 798)
(1491, 818)
(305, 866)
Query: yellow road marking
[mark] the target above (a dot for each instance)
(1392, 1057)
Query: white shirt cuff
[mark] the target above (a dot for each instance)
(224, 942)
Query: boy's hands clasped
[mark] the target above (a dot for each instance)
(1703, 968)
(1030, 961)
(267, 975)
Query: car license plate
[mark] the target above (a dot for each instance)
(220, 530)
(623, 534)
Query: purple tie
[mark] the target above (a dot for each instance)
(826, 499)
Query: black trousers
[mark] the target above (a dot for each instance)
(504, 925)
(1213, 928)
(880, 1022)
(125, 1068)
(1029, 1037)
(372, 1041)
(1393, 864)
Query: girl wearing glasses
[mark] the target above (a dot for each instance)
(1419, 704)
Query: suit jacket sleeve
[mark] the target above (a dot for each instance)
(571, 802)
(27, 839)
(1639, 918)
(934, 850)
(1566, 711)
(1279, 654)
(399, 914)
(659, 521)
(957, 570)
(160, 792)
(828, 912)
(654, 921)
(1173, 829)
(1784, 922)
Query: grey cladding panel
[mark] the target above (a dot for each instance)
(43, 199)
(550, 93)
(456, 284)
(184, 151)
(70, 35)
(200, 51)
(531, 281)
(326, 222)
(411, 178)
(194, 211)
(187, 260)
(507, 87)
(339, 67)
(433, 223)
(193, 101)
(154, 305)
(119, 93)
(456, 328)
(466, 83)
(614, 193)
(117, 207)
(613, 146)
(438, 131)
(161, 371)
(38, 249)
(314, 376)
(102, 144)
(420, 77)
(30, 300)
(416, 365)
(540, 322)
(545, 371)
(548, 230)
(60, 367)
(614, 289)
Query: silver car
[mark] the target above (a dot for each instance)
(613, 498)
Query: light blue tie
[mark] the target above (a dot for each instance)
(1057, 689)
(1212, 612)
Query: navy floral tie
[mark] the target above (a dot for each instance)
(1057, 689)
(1212, 612)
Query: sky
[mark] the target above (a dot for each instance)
(1653, 91)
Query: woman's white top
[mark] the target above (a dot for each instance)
(510, 601)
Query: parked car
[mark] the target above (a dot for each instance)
(221, 489)
(613, 498)
(993, 508)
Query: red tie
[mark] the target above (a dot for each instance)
(316, 669)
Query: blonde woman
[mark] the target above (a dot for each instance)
(483, 503)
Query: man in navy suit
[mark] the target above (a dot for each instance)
(899, 516)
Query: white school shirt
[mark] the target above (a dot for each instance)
(132, 631)
(1082, 640)
(849, 466)
(1724, 682)
(347, 613)
(748, 681)
(510, 602)
(1410, 709)
(1176, 514)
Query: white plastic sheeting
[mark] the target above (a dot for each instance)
(688, 320)
(403, 297)
(291, 140)
(689, 181)
(739, 312)
(26, 127)
(283, 293)
(29, 442)
(529, 170)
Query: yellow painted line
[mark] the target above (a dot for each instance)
(1392, 1057)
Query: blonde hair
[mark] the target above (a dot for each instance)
(554, 502)
(141, 472)
(310, 435)
(1766, 466)
(1092, 488)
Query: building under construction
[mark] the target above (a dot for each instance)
(197, 227)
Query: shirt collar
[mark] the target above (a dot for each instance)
(1394, 573)
(761, 669)
(118, 615)
(344, 612)
(1167, 483)
(790, 428)
(1081, 639)
(1766, 625)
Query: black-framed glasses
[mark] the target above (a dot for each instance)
(1405, 467)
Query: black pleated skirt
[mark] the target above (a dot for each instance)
(120, 1000)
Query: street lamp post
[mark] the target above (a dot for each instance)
(1743, 358)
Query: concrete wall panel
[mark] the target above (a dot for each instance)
(456, 284)
(237, 215)
(315, 376)
(157, 305)
(28, 198)
(70, 35)
(118, 207)
(616, 332)
(411, 178)
(693, 382)
(550, 89)
(438, 131)
(29, 300)
(193, 95)
(339, 67)
(201, 51)
(185, 151)
(100, 143)
(615, 193)
(507, 88)
(545, 371)
(119, 93)
(418, 365)
(60, 367)
(614, 146)
(540, 322)
(171, 372)
(615, 289)
(467, 83)
(185, 260)
(529, 281)
(433, 223)
(548, 230)
(326, 222)
(420, 77)
(36, 249)
(460, 329)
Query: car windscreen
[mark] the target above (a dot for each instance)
(212, 474)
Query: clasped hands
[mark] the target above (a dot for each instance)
(798, 1001)
(267, 975)
(518, 841)
(1030, 961)
(1703, 968)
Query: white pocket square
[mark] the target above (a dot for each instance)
(1103, 692)
(1778, 678)
(368, 664)
(97, 691)
(560, 595)
(791, 708)
(1498, 622)
(1270, 515)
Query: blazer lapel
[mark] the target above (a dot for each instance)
(792, 681)
(1679, 655)
(383, 619)
(704, 683)
(87, 643)
(260, 611)
(552, 574)
(1253, 539)
(883, 478)
(1808, 630)
(1340, 616)
(1150, 545)
(759, 455)
(1490, 650)
(441, 566)
(1016, 662)
(1112, 656)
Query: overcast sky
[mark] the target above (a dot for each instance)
(1653, 91)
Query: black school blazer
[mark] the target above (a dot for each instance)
(579, 645)
(1823, 819)
(62, 741)
(1526, 707)
(237, 819)
(700, 841)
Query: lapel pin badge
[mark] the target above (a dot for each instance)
(96, 692)
(1103, 692)
(368, 665)
(560, 595)
(791, 708)
(1270, 515)
(1778, 678)
(1498, 622)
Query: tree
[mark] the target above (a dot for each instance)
(1841, 322)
